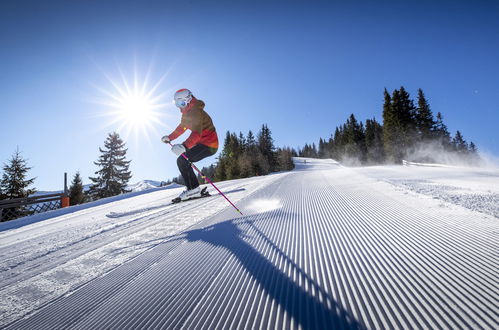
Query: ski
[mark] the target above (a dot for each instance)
(204, 193)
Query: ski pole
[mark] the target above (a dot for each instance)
(208, 180)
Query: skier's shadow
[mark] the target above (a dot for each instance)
(309, 311)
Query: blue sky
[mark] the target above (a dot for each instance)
(300, 67)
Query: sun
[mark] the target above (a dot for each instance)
(135, 106)
(136, 109)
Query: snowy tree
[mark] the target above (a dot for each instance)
(113, 175)
(14, 184)
(76, 193)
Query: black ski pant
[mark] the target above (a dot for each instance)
(195, 154)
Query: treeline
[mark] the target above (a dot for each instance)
(409, 131)
(244, 156)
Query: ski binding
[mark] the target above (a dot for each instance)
(204, 193)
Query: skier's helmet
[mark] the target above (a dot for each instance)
(182, 98)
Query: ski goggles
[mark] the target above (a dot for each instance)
(181, 103)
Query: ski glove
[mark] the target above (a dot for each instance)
(178, 149)
(165, 139)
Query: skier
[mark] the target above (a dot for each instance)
(202, 143)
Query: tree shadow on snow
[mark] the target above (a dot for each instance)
(318, 311)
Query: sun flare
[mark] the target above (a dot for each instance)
(135, 105)
(136, 109)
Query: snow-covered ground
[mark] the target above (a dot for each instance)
(375, 247)
(474, 188)
(49, 258)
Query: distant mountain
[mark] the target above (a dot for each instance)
(145, 185)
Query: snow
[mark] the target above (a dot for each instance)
(476, 189)
(377, 221)
(48, 255)
(264, 205)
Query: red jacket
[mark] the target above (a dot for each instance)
(199, 122)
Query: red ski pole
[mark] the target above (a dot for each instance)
(208, 180)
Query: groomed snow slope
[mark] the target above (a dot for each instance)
(321, 247)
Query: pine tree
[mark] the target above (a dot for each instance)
(315, 152)
(441, 133)
(473, 154)
(408, 116)
(232, 152)
(322, 153)
(391, 131)
(406, 112)
(250, 140)
(14, 184)
(208, 172)
(242, 142)
(256, 160)
(266, 146)
(245, 165)
(309, 151)
(220, 170)
(374, 142)
(473, 149)
(424, 118)
(336, 146)
(228, 162)
(114, 174)
(285, 159)
(355, 147)
(459, 144)
(76, 193)
(330, 147)
(399, 125)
